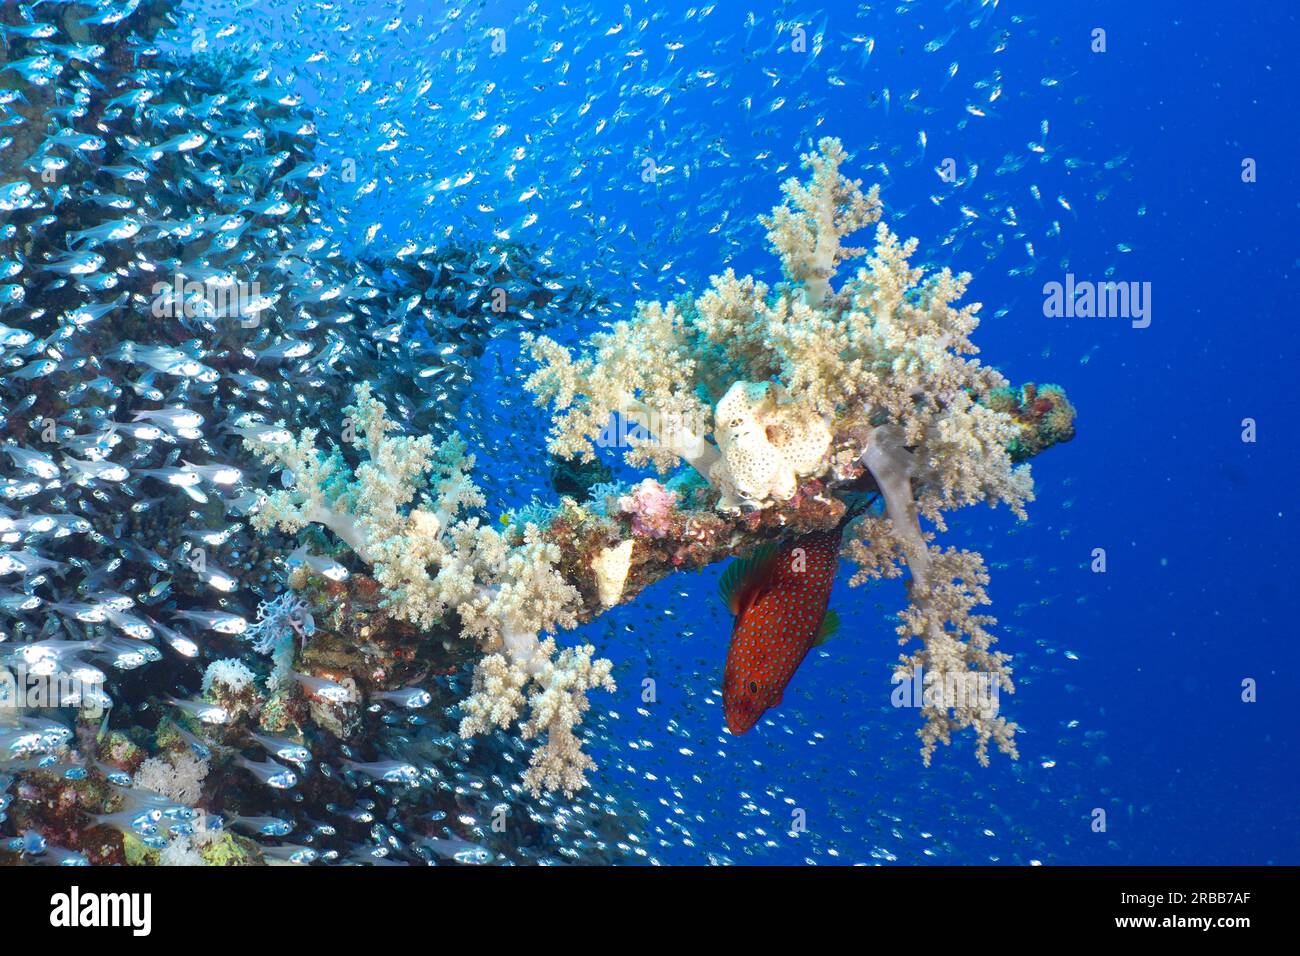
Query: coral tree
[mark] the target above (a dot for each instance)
(782, 399)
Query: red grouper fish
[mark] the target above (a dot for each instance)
(779, 597)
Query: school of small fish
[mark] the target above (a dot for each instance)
(216, 216)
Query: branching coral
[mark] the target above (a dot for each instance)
(556, 706)
(957, 644)
(645, 371)
(178, 776)
(404, 509)
(783, 378)
(778, 397)
(806, 230)
(783, 370)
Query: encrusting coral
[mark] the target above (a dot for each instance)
(781, 399)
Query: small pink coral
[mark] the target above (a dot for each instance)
(650, 504)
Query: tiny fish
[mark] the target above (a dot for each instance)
(219, 621)
(274, 775)
(392, 771)
(283, 748)
(201, 710)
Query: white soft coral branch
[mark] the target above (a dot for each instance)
(430, 560)
(946, 586)
(957, 649)
(806, 231)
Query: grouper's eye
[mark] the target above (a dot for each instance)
(753, 687)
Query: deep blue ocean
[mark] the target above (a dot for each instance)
(1131, 680)
(1155, 695)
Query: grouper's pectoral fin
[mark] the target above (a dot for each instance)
(746, 579)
